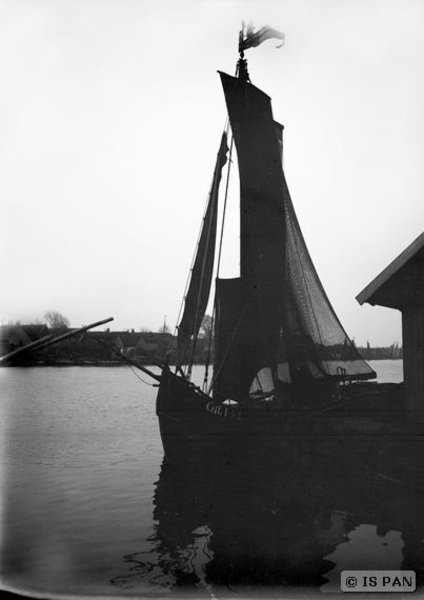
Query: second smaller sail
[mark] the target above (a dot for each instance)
(197, 296)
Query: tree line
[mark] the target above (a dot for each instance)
(144, 345)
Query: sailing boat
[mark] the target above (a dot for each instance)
(279, 348)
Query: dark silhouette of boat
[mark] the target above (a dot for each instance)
(279, 349)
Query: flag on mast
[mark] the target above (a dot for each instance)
(253, 39)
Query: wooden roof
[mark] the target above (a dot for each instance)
(401, 283)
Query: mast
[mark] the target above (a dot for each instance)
(241, 68)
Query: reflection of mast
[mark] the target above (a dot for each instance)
(199, 555)
(182, 531)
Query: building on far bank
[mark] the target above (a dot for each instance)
(13, 337)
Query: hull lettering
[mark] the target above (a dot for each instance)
(221, 411)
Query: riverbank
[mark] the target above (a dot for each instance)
(107, 348)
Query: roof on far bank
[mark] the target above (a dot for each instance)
(380, 291)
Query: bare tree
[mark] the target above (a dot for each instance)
(55, 320)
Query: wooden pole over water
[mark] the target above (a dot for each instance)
(31, 346)
(49, 339)
(74, 332)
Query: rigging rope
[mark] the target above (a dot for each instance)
(227, 183)
(224, 210)
(124, 359)
(138, 376)
(208, 357)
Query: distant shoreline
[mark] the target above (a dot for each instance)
(105, 363)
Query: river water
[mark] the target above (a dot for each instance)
(87, 507)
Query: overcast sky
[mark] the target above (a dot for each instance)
(111, 113)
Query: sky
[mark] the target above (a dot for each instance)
(111, 114)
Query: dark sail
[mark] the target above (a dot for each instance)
(289, 329)
(238, 344)
(262, 238)
(197, 296)
(229, 313)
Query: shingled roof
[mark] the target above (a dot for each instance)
(401, 283)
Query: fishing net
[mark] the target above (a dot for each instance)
(319, 342)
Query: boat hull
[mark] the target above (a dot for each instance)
(365, 434)
(193, 427)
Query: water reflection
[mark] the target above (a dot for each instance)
(364, 549)
(237, 527)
